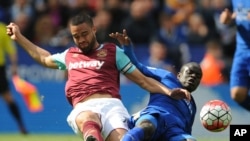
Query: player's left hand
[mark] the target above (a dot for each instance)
(179, 93)
(122, 38)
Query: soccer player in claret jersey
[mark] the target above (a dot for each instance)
(239, 76)
(92, 86)
(165, 118)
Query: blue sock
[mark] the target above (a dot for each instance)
(135, 134)
(246, 103)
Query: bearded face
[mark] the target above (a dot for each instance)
(89, 46)
(84, 37)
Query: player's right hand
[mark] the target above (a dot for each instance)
(179, 93)
(12, 31)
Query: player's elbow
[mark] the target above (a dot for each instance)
(143, 82)
(48, 62)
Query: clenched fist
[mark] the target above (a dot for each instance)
(12, 31)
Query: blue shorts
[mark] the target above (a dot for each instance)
(240, 70)
(169, 126)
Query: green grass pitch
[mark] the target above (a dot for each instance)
(64, 137)
(39, 137)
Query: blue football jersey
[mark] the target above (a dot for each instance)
(242, 8)
(174, 116)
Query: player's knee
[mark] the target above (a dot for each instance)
(148, 128)
(239, 94)
(86, 116)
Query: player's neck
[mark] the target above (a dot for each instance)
(97, 45)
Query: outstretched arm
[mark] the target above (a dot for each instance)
(40, 55)
(127, 45)
(138, 77)
(146, 82)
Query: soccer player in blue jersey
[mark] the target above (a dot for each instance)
(240, 71)
(165, 118)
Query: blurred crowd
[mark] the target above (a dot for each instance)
(173, 32)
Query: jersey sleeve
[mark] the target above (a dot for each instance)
(59, 59)
(123, 63)
(148, 71)
(156, 73)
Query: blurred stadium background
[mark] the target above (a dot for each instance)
(40, 21)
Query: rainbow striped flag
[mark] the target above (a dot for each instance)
(29, 93)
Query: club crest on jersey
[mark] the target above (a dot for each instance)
(102, 53)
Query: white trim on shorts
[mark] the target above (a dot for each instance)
(112, 112)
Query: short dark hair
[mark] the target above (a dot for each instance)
(189, 64)
(80, 18)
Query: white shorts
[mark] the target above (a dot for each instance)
(112, 112)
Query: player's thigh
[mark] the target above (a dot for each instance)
(82, 112)
(115, 120)
(115, 125)
(84, 116)
(175, 129)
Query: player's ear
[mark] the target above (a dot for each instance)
(178, 75)
(94, 29)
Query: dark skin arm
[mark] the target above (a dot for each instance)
(177, 93)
